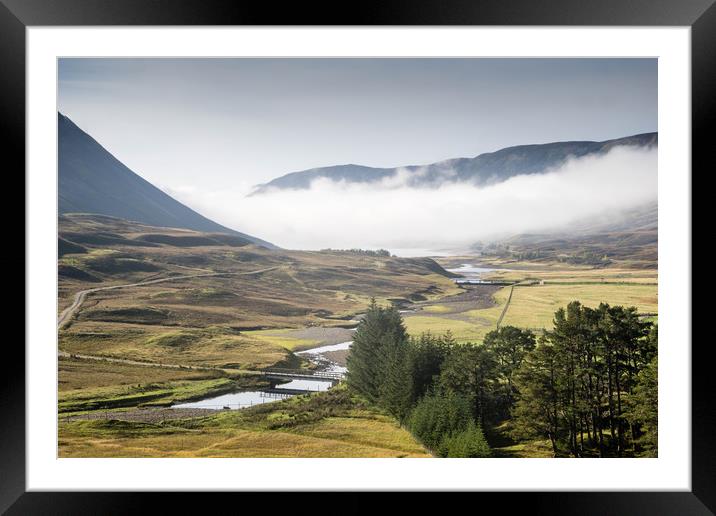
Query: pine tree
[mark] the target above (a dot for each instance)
(469, 443)
(396, 391)
(643, 408)
(380, 329)
(509, 346)
(470, 371)
(537, 411)
(438, 416)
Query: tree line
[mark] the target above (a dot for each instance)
(588, 386)
(365, 252)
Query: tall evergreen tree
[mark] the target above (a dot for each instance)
(643, 408)
(380, 329)
(537, 411)
(509, 346)
(396, 391)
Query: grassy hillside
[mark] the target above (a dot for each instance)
(628, 239)
(217, 312)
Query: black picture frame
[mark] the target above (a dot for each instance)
(17, 15)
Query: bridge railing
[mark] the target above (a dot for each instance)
(303, 373)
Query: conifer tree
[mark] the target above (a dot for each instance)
(396, 391)
(644, 408)
(470, 371)
(537, 411)
(380, 329)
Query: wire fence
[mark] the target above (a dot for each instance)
(504, 310)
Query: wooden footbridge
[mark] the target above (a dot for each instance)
(302, 374)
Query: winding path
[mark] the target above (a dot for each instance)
(70, 311)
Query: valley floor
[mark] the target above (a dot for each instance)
(538, 291)
(330, 424)
(209, 324)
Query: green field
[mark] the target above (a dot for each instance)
(539, 293)
(470, 330)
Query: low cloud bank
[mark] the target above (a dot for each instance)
(394, 215)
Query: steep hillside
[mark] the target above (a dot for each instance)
(91, 180)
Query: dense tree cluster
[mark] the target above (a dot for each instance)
(589, 385)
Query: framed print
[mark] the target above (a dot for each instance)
(410, 250)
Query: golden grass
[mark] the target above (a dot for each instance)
(212, 347)
(534, 306)
(381, 432)
(462, 331)
(224, 443)
(438, 309)
(527, 450)
(466, 326)
(330, 424)
(577, 274)
(280, 338)
(87, 374)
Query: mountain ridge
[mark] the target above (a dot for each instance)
(485, 168)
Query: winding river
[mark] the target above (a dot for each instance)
(319, 356)
(472, 274)
(245, 399)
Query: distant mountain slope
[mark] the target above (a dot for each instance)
(492, 167)
(631, 236)
(91, 180)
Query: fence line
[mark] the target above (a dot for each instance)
(504, 310)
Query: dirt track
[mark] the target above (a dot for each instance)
(100, 358)
(71, 310)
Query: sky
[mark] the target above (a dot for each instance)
(207, 130)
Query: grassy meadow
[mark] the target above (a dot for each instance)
(539, 291)
(331, 424)
(534, 306)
